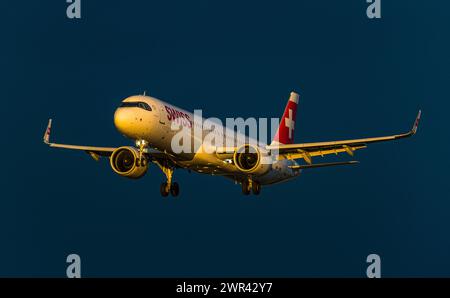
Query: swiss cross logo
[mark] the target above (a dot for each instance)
(289, 123)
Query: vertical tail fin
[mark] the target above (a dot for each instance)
(285, 132)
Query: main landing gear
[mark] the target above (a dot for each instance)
(249, 185)
(168, 187)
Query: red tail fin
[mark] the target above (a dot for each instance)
(285, 132)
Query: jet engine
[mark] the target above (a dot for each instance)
(125, 162)
(249, 159)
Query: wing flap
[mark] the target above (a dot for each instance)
(307, 154)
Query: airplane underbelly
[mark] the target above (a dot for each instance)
(208, 164)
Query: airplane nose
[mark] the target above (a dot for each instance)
(121, 120)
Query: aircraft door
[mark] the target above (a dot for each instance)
(162, 114)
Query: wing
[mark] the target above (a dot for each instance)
(97, 152)
(94, 152)
(309, 150)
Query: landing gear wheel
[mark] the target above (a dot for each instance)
(256, 188)
(245, 187)
(175, 190)
(164, 189)
(168, 187)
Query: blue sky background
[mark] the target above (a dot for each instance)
(357, 77)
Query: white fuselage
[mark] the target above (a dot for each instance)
(154, 124)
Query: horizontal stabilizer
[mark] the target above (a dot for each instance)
(320, 165)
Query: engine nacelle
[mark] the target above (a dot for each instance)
(248, 159)
(125, 162)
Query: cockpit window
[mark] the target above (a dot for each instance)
(145, 106)
(136, 104)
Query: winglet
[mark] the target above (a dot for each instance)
(47, 132)
(416, 123)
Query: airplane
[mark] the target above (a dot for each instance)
(148, 121)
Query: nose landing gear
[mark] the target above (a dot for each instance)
(141, 161)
